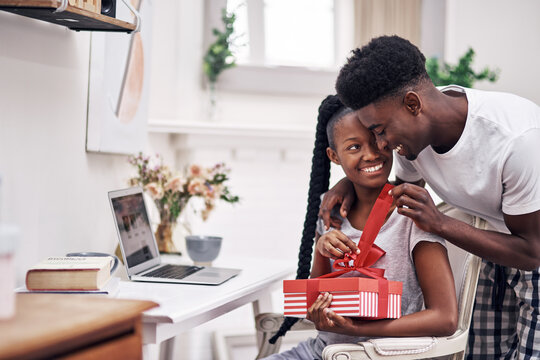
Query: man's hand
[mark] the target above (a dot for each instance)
(334, 244)
(415, 202)
(325, 319)
(342, 193)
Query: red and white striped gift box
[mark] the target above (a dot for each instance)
(352, 296)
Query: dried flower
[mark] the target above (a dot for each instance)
(171, 191)
(195, 170)
(155, 191)
(175, 184)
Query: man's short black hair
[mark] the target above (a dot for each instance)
(382, 68)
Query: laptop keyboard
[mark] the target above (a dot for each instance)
(173, 271)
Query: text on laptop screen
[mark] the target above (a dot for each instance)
(134, 229)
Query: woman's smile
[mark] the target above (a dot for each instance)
(373, 169)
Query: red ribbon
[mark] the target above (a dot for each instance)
(369, 254)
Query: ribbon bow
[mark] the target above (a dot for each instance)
(362, 266)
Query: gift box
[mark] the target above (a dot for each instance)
(368, 298)
(351, 296)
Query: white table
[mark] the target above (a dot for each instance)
(183, 306)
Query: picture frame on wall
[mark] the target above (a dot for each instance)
(118, 86)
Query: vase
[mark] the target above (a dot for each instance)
(212, 102)
(170, 236)
(164, 238)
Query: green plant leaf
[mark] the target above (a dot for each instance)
(219, 57)
(459, 74)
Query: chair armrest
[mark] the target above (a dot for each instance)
(382, 348)
(406, 348)
(270, 322)
(267, 324)
(344, 351)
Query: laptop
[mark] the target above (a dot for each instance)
(140, 250)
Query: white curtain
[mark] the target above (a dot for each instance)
(387, 17)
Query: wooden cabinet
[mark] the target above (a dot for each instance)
(73, 327)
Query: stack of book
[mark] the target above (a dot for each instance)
(72, 274)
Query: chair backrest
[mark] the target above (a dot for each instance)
(465, 266)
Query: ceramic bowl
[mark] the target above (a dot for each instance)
(203, 249)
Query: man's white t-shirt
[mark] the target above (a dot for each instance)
(494, 168)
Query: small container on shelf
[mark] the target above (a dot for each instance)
(90, 5)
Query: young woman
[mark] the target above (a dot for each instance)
(421, 264)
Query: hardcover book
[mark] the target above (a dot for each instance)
(110, 289)
(69, 273)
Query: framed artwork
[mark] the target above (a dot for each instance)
(118, 86)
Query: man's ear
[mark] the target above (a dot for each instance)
(332, 156)
(412, 102)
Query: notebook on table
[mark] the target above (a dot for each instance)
(140, 250)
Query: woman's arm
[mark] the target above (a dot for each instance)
(438, 319)
(321, 264)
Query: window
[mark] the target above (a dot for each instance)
(297, 46)
(286, 47)
(284, 32)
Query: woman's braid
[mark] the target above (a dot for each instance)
(318, 184)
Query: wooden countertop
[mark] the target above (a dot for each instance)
(48, 325)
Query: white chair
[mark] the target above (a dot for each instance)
(465, 268)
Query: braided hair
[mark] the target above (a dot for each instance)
(330, 111)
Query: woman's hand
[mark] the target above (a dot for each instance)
(316, 313)
(342, 193)
(334, 244)
(325, 319)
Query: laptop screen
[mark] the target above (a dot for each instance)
(134, 229)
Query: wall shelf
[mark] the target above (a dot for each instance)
(72, 17)
(176, 127)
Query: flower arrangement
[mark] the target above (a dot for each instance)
(171, 191)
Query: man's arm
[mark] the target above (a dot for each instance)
(343, 194)
(519, 249)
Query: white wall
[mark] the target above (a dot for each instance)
(52, 189)
(504, 35)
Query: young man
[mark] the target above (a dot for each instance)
(477, 151)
